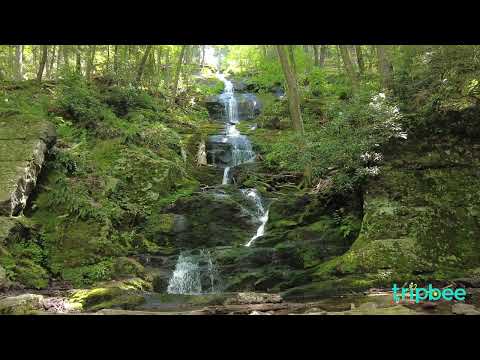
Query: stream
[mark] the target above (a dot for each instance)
(194, 273)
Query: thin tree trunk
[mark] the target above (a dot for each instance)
(323, 55)
(361, 64)
(18, 62)
(177, 72)
(294, 106)
(291, 55)
(115, 59)
(78, 59)
(90, 62)
(51, 62)
(59, 58)
(203, 55)
(141, 67)
(43, 61)
(293, 97)
(66, 56)
(347, 62)
(315, 55)
(384, 67)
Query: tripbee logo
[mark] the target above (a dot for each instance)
(414, 294)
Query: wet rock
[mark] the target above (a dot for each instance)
(210, 219)
(21, 305)
(254, 298)
(124, 294)
(261, 313)
(464, 309)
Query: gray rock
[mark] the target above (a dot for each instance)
(21, 304)
(464, 309)
(247, 298)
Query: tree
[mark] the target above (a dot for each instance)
(18, 62)
(384, 67)
(90, 61)
(293, 97)
(78, 59)
(315, 55)
(177, 72)
(291, 55)
(43, 61)
(323, 55)
(141, 66)
(361, 65)
(347, 62)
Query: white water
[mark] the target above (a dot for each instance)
(187, 277)
(261, 213)
(225, 175)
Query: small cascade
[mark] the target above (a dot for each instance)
(195, 275)
(226, 172)
(186, 277)
(261, 213)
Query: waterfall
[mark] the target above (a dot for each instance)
(195, 275)
(225, 175)
(186, 277)
(262, 214)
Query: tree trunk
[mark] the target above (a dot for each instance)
(115, 59)
(315, 55)
(18, 62)
(203, 56)
(51, 62)
(78, 59)
(177, 72)
(384, 67)
(141, 67)
(59, 58)
(293, 97)
(361, 64)
(90, 62)
(43, 61)
(294, 105)
(66, 56)
(323, 55)
(291, 55)
(347, 62)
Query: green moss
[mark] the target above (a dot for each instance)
(125, 294)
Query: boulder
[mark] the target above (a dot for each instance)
(244, 298)
(464, 309)
(21, 305)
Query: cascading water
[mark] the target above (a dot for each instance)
(197, 274)
(262, 214)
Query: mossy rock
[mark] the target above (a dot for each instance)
(125, 294)
(25, 304)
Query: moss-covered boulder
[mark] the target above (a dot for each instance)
(124, 294)
(24, 304)
(205, 220)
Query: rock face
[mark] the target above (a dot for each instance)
(421, 214)
(204, 220)
(22, 153)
